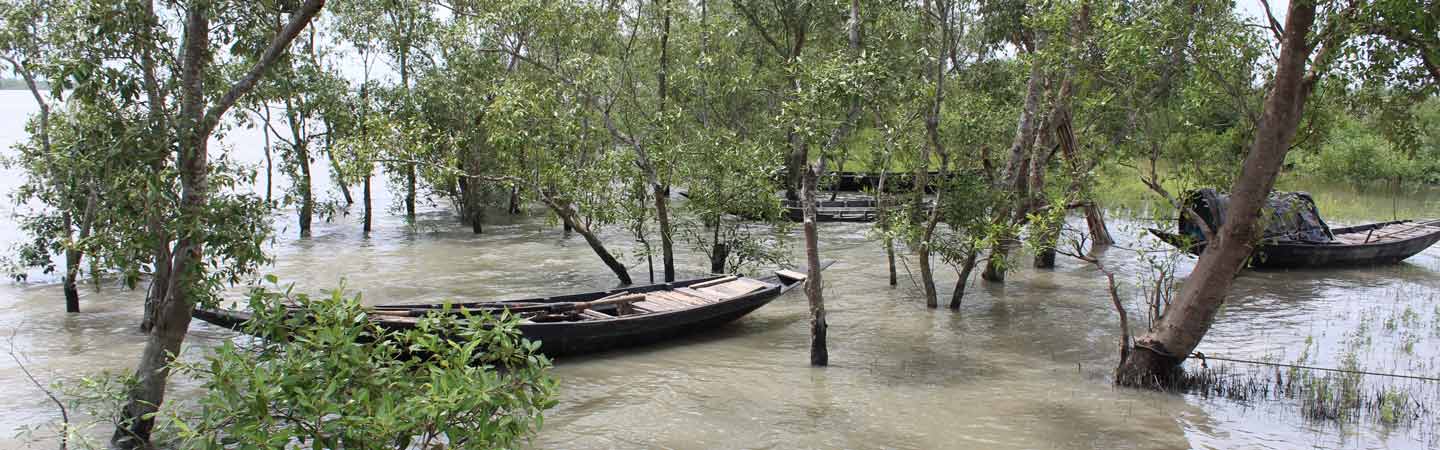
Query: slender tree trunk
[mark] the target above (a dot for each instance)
(1045, 233)
(154, 214)
(295, 117)
(72, 270)
(195, 125)
(662, 215)
(409, 167)
(819, 354)
(334, 164)
(936, 147)
(269, 164)
(514, 207)
(369, 203)
(1156, 356)
(883, 211)
(472, 193)
(568, 216)
(307, 199)
(958, 295)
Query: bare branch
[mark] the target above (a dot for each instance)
(64, 413)
(1275, 27)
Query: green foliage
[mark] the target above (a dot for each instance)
(1356, 152)
(332, 379)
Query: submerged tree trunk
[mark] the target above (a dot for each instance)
(965, 269)
(819, 354)
(1155, 359)
(369, 203)
(72, 271)
(335, 165)
(568, 217)
(662, 216)
(269, 163)
(307, 199)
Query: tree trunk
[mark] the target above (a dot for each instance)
(819, 354)
(567, 215)
(269, 164)
(514, 207)
(662, 215)
(334, 164)
(194, 128)
(173, 315)
(718, 254)
(965, 269)
(73, 253)
(72, 272)
(1095, 221)
(154, 215)
(472, 194)
(307, 199)
(1155, 360)
(369, 203)
(1013, 181)
(936, 147)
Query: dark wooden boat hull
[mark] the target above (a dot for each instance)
(857, 210)
(1293, 255)
(592, 336)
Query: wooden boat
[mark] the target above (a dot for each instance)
(863, 181)
(1376, 243)
(598, 321)
(852, 210)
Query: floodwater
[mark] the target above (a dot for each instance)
(1023, 365)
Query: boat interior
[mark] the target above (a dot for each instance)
(1389, 233)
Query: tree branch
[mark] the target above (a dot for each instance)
(1275, 27)
(298, 21)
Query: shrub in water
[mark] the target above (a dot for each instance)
(332, 379)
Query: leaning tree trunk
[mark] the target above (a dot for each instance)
(568, 217)
(1155, 359)
(966, 268)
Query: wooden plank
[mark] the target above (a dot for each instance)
(668, 303)
(692, 298)
(651, 306)
(678, 298)
(721, 291)
(791, 274)
(714, 282)
(750, 284)
(593, 314)
(705, 295)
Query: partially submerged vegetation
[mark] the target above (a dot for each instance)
(598, 111)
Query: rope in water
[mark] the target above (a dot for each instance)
(1203, 357)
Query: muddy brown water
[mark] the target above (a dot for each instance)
(1020, 365)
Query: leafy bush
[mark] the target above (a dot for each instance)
(333, 379)
(1357, 153)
